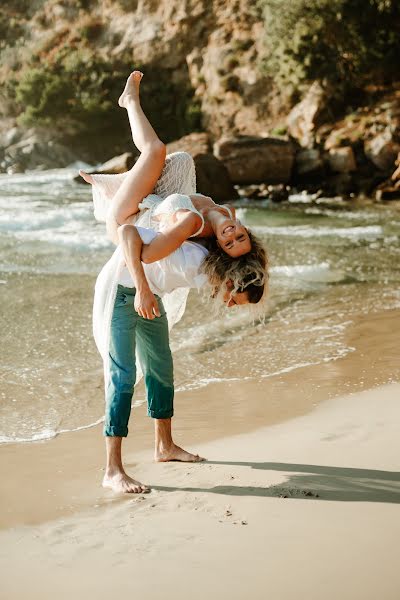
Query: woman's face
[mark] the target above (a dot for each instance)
(235, 299)
(233, 238)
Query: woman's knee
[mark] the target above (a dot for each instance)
(157, 149)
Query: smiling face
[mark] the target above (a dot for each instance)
(233, 238)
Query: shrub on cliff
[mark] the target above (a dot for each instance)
(72, 90)
(347, 42)
(75, 91)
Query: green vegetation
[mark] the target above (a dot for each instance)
(75, 91)
(280, 130)
(348, 43)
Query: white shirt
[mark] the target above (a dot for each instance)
(171, 278)
(181, 269)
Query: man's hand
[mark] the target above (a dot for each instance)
(146, 304)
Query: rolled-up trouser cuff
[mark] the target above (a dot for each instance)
(158, 414)
(111, 431)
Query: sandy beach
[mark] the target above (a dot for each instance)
(304, 505)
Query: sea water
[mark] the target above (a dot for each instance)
(328, 264)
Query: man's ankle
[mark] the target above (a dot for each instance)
(112, 470)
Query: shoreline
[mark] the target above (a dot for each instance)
(306, 508)
(58, 489)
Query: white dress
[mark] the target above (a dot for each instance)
(175, 270)
(177, 182)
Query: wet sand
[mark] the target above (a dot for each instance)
(63, 474)
(287, 504)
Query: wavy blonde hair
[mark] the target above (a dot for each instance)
(246, 273)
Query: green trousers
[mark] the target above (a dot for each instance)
(130, 333)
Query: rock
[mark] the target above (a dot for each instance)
(118, 164)
(213, 178)
(387, 192)
(11, 136)
(309, 114)
(15, 168)
(255, 159)
(278, 193)
(342, 160)
(36, 151)
(211, 174)
(340, 184)
(396, 174)
(255, 191)
(194, 143)
(308, 162)
(382, 150)
(389, 189)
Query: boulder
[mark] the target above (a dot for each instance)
(37, 151)
(342, 160)
(308, 163)
(194, 143)
(254, 191)
(212, 176)
(396, 174)
(256, 159)
(382, 150)
(118, 164)
(339, 184)
(278, 193)
(309, 114)
(213, 179)
(387, 191)
(10, 136)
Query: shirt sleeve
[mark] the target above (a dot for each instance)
(186, 264)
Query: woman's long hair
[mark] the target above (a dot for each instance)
(246, 273)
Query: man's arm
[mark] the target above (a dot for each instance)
(145, 302)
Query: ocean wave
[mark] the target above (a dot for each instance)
(321, 272)
(30, 220)
(307, 231)
(46, 434)
(83, 239)
(41, 177)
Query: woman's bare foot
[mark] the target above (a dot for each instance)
(131, 91)
(88, 178)
(120, 482)
(176, 453)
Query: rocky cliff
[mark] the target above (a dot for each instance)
(64, 62)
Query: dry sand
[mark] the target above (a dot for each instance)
(306, 508)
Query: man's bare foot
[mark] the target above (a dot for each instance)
(131, 91)
(176, 453)
(88, 178)
(120, 482)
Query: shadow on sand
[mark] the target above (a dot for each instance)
(313, 482)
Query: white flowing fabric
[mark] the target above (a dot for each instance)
(178, 176)
(179, 172)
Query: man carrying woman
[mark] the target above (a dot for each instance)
(167, 242)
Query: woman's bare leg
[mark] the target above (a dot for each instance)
(137, 183)
(143, 176)
(142, 131)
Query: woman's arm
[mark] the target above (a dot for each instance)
(145, 302)
(168, 241)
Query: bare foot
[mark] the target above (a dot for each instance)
(131, 91)
(120, 482)
(176, 453)
(88, 178)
